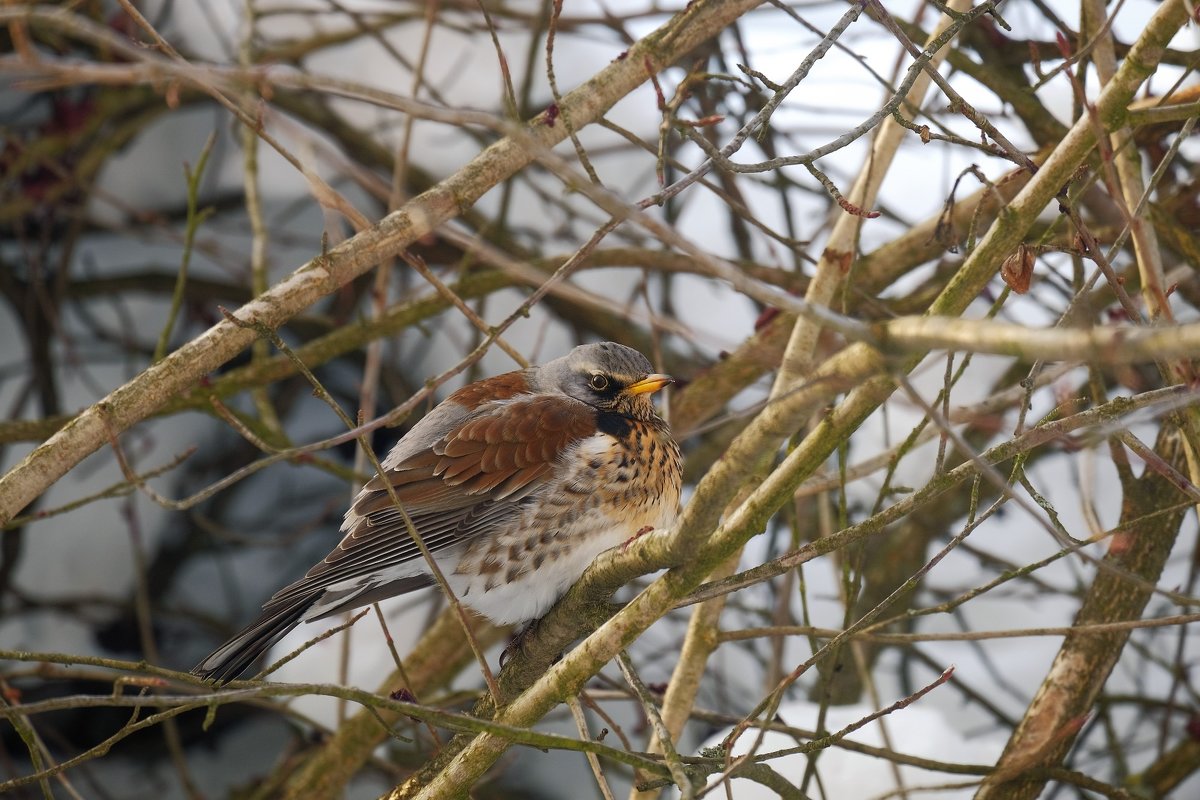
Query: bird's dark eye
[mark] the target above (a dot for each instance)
(598, 382)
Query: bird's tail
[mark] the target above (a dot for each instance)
(235, 656)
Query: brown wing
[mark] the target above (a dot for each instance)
(470, 482)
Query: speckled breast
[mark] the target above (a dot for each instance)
(610, 487)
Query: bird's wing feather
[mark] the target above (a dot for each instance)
(468, 484)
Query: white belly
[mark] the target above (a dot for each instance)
(519, 591)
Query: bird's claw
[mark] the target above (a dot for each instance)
(642, 531)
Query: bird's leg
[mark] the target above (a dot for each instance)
(642, 531)
(517, 642)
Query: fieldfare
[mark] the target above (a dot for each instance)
(515, 484)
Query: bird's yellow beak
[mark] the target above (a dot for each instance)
(649, 384)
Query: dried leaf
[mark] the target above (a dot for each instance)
(1017, 269)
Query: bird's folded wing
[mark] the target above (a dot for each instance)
(471, 482)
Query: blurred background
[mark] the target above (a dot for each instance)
(134, 208)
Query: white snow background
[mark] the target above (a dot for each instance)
(88, 552)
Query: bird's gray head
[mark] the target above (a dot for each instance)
(609, 376)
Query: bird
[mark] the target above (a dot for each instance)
(515, 484)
